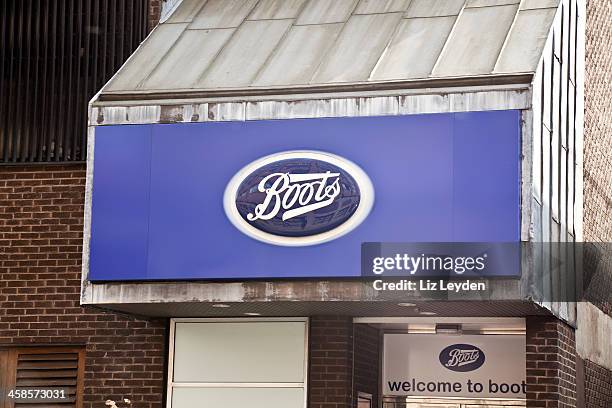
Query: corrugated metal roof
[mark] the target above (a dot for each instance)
(208, 45)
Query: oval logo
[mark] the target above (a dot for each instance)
(462, 357)
(298, 198)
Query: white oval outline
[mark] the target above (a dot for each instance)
(366, 200)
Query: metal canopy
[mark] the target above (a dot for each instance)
(239, 45)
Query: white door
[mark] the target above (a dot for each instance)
(238, 363)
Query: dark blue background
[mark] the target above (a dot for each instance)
(157, 209)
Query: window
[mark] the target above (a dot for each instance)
(259, 363)
(41, 376)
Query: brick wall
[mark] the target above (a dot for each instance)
(598, 385)
(598, 145)
(598, 123)
(597, 277)
(551, 363)
(41, 223)
(155, 7)
(596, 381)
(367, 359)
(331, 362)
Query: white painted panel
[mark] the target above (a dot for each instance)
(579, 207)
(547, 58)
(384, 105)
(238, 398)
(358, 48)
(277, 9)
(557, 28)
(593, 334)
(244, 55)
(225, 111)
(298, 55)
(526, 41)
(167, 8)
(433, 8)
(555, 142)
(533, 4)
(564, 76)
(223, 13)
(488, 3)
(556, 96)
(546, 180)
(475, 101)
(115, 114)
(381, 6)
(409, 103)
(220, 352)
(423, 104)
(143, 114)
(536, 232)
(476, 41)
(572, 40)
(579, 210)
(562, 192)
(414, 48)
(310, 108)
(564, 106)
(537, 135)
(526, 189)
(188, 59)
(571, 146)
(571, 212)
(92, 116)
(194, 112)
(141, 63)
(325, 11)
(186, 11)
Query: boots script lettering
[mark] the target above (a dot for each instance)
(309, 191)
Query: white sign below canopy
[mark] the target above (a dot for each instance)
(475, 366)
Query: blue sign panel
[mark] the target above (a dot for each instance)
(297, 198)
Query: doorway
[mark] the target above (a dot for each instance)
(441, 362)
(431, 402)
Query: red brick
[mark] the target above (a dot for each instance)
(40, 286)
(554, 360)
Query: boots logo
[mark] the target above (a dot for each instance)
(296, 194)
(462, 357)
(298, 198)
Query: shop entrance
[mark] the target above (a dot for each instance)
(440, 362)
(431, 402)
